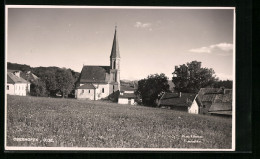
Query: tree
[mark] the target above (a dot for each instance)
(191, 77)
(38, 88)
(151, 88)
(65, 81)
(51, 83)
(225, 83)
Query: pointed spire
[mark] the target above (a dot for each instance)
(115, 46)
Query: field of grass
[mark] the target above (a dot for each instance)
(51, 122)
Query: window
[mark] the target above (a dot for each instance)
(7, 87)
(114, 64)
(103, 90)
(88, 91)
(82, 91)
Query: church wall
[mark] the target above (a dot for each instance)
(85, 94)
(99, 93)
(111, 88)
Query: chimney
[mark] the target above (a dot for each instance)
(179, 94)
(17, 73)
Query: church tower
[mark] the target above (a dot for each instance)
(115, 62)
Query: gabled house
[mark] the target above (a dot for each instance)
(127, 95)
(16, 85)
(222, 104)
(100, 82)
(177, 101)
(194, 107)
(214, 101)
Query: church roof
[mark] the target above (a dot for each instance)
(115, 47)
(87, 86)
(94, 74)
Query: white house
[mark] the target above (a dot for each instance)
(194, 108)
(99, 82)
(127, 95)
(16, 85)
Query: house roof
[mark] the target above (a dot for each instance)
(115, 47)
(127, 95)
(220, 107)
(207, 94)
(30, 76)
(222, 112)
(87, 86)
(173, 99)
(11, 78)
(94, 74)
(221, 99)
(227, 91)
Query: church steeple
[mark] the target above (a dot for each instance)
(115, 47)
(115, 62)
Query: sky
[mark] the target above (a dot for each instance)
(150, 40)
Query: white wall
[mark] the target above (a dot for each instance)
(125, 101)
(10, 89)
(122, 101)
(85, 94)
(194, 108)
(99, 93)
(17, 89)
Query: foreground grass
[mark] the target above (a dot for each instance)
(69, 122)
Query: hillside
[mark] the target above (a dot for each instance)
(56, 122)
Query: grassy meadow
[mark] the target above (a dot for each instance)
(55, 122)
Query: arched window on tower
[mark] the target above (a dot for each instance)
(114, 64)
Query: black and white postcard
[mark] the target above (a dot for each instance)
(91, 78)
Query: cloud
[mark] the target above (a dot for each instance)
(142, 25)
(221, 47)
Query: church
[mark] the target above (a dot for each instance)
(100, 82)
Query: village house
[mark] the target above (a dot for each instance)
(16, 85)
(177, 101)
(101, 82)
(214, 101)
(194, 107)
(127, 95)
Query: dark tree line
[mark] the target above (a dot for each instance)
(52, 80)
(151, 88)
(191, 77)
(187, 78)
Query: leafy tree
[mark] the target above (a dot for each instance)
(191, 77)
(15, 66)
(151, 88)
(38, 88)
(65, 81)
(224, 83)
(51, 83)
